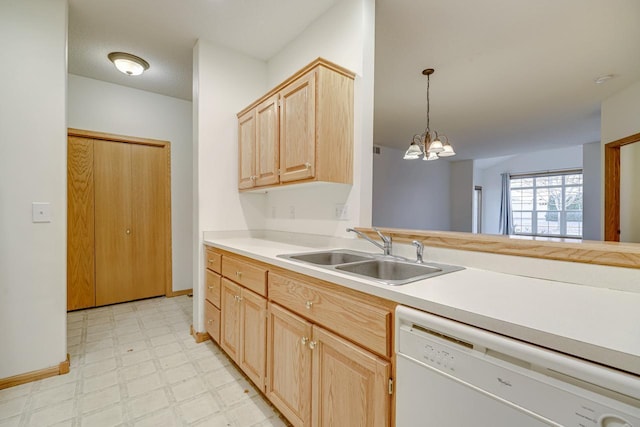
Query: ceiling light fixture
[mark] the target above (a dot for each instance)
(429, 143)
(128, 64)
(602, 79)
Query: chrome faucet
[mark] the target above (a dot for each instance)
(419, 251)
(386, 240)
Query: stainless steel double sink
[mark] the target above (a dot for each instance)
(389, 270)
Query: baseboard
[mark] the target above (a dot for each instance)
(199, 336)
(179, 293)
(61, 369)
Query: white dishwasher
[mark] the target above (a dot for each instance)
(449, 374)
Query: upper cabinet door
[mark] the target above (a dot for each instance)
(246, 149)
(297, 129)
(267, 157)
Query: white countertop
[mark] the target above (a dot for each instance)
(597, 324)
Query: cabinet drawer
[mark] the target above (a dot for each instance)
(212, 321)
(365, 324)
(212, 289)
(213, 260)
(248, 275)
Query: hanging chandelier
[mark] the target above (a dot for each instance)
(429, 143)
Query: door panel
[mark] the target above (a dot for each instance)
(246, 149)
(81, 290)
(148, 232)
(289, 365)
(350, 384)
(112, 180)
(267, 158)
(253, 336)
(297, 130)
(230, 318)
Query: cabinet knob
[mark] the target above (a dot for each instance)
(210, 322)
(304, 340)
(307, 165)
(312, 344)
(308, 304)
(128, 231)
(238, 274)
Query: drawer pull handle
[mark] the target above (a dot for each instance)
(304, 341)
(210, 261)
(308, 304)
(312, 344)
(210, 287)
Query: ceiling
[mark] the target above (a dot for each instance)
(511, 76)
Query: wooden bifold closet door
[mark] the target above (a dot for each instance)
(130, 232)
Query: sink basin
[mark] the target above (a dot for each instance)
(384, 269)
(334, 257)
(395, 272)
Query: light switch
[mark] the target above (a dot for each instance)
(41, 212)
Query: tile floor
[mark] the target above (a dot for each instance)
(135, 364)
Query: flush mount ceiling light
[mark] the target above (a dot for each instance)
(128, 64)
(429, 143)
(602, 79)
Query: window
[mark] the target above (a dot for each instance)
(547, 204)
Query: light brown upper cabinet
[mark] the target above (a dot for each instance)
(119, 219)
(300, 131)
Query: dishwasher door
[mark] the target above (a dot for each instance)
(449, 375)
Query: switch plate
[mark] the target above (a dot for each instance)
(41, 212)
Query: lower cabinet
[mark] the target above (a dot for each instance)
(243, 327)
(317, 378)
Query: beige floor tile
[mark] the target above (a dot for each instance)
(52, 414)
(13, 407)
(98, 336)
(221, 377)
(132, 347)
(148, 403)
(53, 396)
(136, 371)
(215, 420)
(100, 382)
(167, 349)
(13, 392)
(173, 360)
(161, 330)
(135, 358)
(98, 368)
(163, 339)
(180, 373)
(99, 355)
(199, 408)
(10, 422)
(58, 380)
(235, 392)
(109, 417)
(144, 385)
(164, 418)
(99, 345)
(100, 399)
(188, 389)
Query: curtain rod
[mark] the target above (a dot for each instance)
(545, 173)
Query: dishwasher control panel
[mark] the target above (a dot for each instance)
(482, 371)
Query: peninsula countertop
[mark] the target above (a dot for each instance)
(597, 324)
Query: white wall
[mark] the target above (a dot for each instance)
(630, 193)
(344, 34)
(224, 83)
(461, 196)
(561, 158)
(591, 187)
(32, 169)
(411, 194)
(105, 107)
(620, 118)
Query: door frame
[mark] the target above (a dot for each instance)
(612, 186)
(166, 146)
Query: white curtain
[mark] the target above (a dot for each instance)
(506, 220)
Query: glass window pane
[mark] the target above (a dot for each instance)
(573, 198)
(521, 200)
(549, 199)
(522, 222)
(574, 224)
(516, 182)
(548, 223)
(573, 179)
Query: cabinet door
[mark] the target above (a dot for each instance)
(297, 129)
(253, 336)
(350, 384)
(81, 289)
(267, 159)
(246, 149)
(230, 318)
(289, 365)
(113, 234)
(148, 230)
